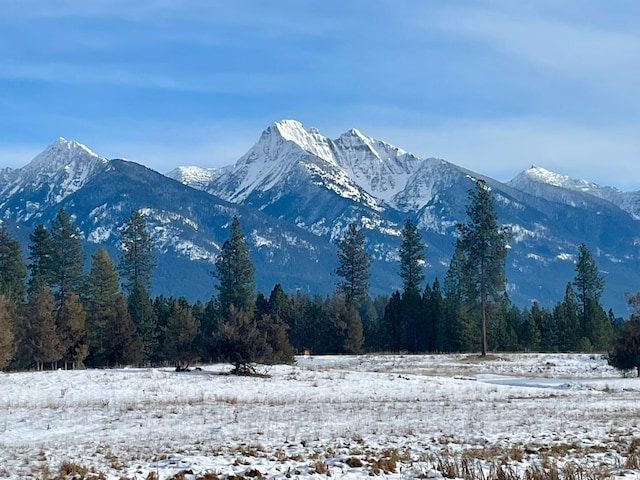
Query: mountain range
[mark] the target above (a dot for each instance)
(296, 190)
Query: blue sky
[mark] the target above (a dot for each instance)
(493, 86)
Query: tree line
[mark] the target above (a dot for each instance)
(53, 313)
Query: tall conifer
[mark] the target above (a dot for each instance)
(353, 265)
(235, 272)
(138, 262)
(484, 244)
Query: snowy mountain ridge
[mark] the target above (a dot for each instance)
(354, 166)
(536, 181)
(61, 169)
(297, 190)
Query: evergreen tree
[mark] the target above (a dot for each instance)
(7, 337)
(181, 335)
(435, 312)
(240, 342)
(280, 349)
(600, 331)
(500, 335)
(67, 255)
(566, 317)
(123, 345)
(345, 326)
(311, 332)
(281, 317)
(412, 321)
(411, 258)
(484, 244)
(353, 265)
(163, 309)
(100, 296)
(589, 285)
(71, 327)
(12, 267)
(235, 272)
(626, 349)
(145, 320)
(208, 328)
(370, 322)
(137, 262)
(460, 327)
(41, 254)
(529, 331)
(549, 334)
(41, 329)
(392, 323)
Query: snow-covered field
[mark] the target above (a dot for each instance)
(341, 416)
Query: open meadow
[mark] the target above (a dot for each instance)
(432, 416)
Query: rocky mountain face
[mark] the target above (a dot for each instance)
(188, 226)
(321, 185)
(295, 191)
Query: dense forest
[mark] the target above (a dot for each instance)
(54, 313)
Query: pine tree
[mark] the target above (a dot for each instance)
(71, 328)
(529, 331)
(434, 309)
(67, 255)
(138, 262)
(311, 331)
(626, 349)
(411, 258)
(145, 320)
(12, 268)
(41, 329)
(460, 327)
(7, 337)
(41, 258)
(392, 323)
(411, 263)
(100, 296)
(240, 342)
(353, 265)
(122, 343)
(589, 285)
(484, 244)
(235, 272)
(181, 333)
(275, 329)
(566, 317)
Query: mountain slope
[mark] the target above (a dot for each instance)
(188, 226)
(301, 176)
(295, 191)
(543, 183)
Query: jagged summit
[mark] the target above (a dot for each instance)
(62, 153)
(62, 168)
(285, 134)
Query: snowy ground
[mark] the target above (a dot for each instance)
(345, 417)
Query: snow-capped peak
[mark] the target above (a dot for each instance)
(311, 141)
(542, 175)
(60, 154)
(61, 169)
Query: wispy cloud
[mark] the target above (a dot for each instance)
(503, 148)
(492, 85)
